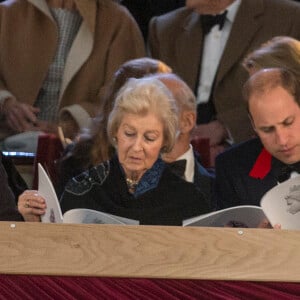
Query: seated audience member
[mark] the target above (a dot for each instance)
(136, 183)
(93, 147)
(280, 51)
(67, 52)
(205, 43)
(247, 171)
(186, 160)
(11, 187)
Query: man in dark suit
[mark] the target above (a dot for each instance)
(217, 75)
(247, 171)
(183, 152)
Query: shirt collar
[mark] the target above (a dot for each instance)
(190, 164)
(232, 10)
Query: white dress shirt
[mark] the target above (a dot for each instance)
(190, 164)
(214, 44)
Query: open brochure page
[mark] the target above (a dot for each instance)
(281, 204)
(238, 216)
(79, 215)
(89, 216)
(53, 213)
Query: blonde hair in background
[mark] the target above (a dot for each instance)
(279, 52)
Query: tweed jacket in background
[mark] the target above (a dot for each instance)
(107, 37)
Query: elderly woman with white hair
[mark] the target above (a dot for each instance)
(136, 183)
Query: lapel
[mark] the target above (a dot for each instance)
(42, 6)
(88, 12)
(262, 165)
(188, 48)
(203, 182)
(262, 170)
(83, 42)
(260, 179)
(237, 46)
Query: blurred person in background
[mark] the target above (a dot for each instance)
(57, 57)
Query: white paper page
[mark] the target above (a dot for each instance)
(281, 204)
(53, 213)
(247, 215)
(89, 216)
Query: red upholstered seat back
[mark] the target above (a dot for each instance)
(49, 150)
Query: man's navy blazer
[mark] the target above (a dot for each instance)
(243, 175)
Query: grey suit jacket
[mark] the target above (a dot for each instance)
(176, 38)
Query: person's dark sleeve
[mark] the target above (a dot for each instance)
(224, 195)
(15, 181)
(71, 165)
(8, 208)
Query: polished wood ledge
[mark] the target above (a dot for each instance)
(150, 252)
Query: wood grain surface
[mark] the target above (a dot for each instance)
(150, 252)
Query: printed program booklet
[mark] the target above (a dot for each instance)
(238, 216)
(280, 205)
(78, 215)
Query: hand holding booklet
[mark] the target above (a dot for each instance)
(237, 216)
(280, 205)
(79, 215)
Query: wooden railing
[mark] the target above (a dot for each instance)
(150, 252)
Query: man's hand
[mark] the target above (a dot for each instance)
(19, 116)
(214, 152)
(214, 131)
(217, 134)
(45, 126)
(69, 126)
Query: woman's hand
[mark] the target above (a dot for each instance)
(31, 206)
(266, 224)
